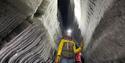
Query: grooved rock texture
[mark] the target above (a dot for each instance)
(28, 46)
(108, 41)
(91, 13)
(28, 29)
(27, 7)
(48, 11)
(9, 19)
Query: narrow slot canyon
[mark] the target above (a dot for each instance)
(32, 30)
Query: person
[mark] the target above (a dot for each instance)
(66, 51)
(79, 56)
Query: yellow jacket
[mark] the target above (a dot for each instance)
(61, 46)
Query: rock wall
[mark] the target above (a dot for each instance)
(91, 13)
(107, 43)
(28, 30)
(49, 18)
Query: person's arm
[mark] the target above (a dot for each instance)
(60, 47)
(57, 59)
(76, 50)
(59, 51)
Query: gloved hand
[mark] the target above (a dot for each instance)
(57, 59)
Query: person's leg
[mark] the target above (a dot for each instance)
(71, 61)
(64, 60)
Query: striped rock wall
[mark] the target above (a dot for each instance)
(102, 27)
(28, 30)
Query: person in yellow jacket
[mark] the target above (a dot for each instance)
(67, 48)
